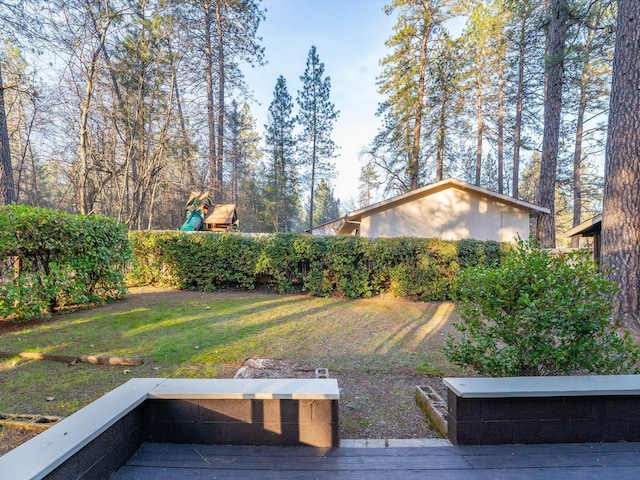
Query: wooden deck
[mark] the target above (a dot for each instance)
(206, 462)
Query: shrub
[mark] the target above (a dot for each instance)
(64, 260)
(348, 266)
(338, 267)
(206, 262)
(418, 268)
(472, 253)
(149, 265)
(283, 261)
(536, 314)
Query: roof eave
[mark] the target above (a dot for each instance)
(584, 227)
(357, 214)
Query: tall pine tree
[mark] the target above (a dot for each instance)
(316, 116)
(554, 79)
(7, 189)
(404, 82)
(326, 205)
(282, 178)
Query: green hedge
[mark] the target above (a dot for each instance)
(348, 266)
(194, 261)
(64, 259)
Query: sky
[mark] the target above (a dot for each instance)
(349, 36)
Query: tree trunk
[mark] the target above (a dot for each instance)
(83, 147)
(85, 195)
(211, 119)
(414, 158)
(479, 129)
(313, 176)
(554, 76)
(218, 194)
(283, 209)
(518, 120)
(7, 187)
(95, 359)
(441, 135)
(500, 115)
(621, 215)
(185, 157)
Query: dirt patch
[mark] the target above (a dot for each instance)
(10, 438)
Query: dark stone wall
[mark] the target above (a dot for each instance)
(222, 422)
(492, 421)
(106, 453)
(244, 422)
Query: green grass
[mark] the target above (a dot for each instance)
(200, 335)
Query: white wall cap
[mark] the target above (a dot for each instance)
(559, 386)
(248, 388)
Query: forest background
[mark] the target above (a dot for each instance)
(124, 107)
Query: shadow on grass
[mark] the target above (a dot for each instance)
(178, 336)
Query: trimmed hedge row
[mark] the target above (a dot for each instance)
(346, 266)
(53, 259)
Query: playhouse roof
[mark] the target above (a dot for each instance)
(222, 213)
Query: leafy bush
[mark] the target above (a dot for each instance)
(472, 252)
(537, 314)
(283, 261)
(347, 266)
(418, 268)
(63, 260)
(338, 266)
(206, 262)
(149, 265)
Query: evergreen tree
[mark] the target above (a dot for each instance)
(554, 79)
(477, 36)
(525, 53)
(589, 74)
(369, 183)
(485, 45)
(445, 72)
(142, 71)
(226, 32)
(326, 205)
(282, 179)
(316, 116)
(243, 152)
(530, 178)
(7, 187)
(404, 82)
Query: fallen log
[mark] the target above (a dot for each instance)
(38, 423)
(95, 359)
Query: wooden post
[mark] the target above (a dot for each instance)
(17, 266)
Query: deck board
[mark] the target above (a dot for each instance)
(534, 462)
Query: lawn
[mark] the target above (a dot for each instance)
(378, 349)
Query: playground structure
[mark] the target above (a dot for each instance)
(202, 215)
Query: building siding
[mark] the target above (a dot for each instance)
(450, 214)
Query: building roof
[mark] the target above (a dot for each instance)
(587, 229)
(352, 220)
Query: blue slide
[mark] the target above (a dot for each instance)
(194, 222)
